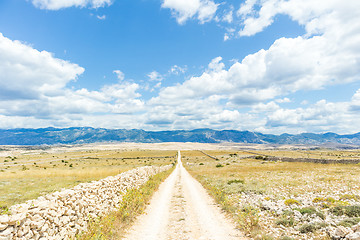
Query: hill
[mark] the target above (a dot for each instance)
(79, 135)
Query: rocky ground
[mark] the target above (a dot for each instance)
(314, 215)
(284, 200)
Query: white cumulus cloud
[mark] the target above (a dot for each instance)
(182, 10)
(102, 17)
(41, 73)
(34, 92)
(155, 76)
(59, 4)
(327, 55)
(119, 74)
(176, 70)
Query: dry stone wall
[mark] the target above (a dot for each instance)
(61, 215)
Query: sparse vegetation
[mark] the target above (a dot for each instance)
(286, 238)
(270, 187)
(290, 201)
(349, 222)
(235, 181)
(308, 227)
(350, 211)
(286, 221)
(311, 211)
(39, 172)
(350, 197)
(3, 207)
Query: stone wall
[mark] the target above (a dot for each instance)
(311, 160)
(61, 215)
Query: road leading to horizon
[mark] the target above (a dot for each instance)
(182, 209)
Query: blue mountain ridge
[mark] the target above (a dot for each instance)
(81, 135)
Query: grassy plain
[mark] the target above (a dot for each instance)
(271, 177)
(27, 174)
(316, 153)
(243, 186)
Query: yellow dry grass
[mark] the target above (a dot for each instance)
(274, 177)
(27, 175)
(317, 154)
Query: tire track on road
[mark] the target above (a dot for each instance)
(181, 209)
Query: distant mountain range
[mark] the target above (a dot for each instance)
(51, 136)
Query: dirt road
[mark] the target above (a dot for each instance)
(181, 209)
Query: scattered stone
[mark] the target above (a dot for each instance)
(341, 232)
(4, 219)
(356, 228)
(353, 236)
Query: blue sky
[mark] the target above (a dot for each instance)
(272, 66)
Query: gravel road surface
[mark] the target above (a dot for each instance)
(182, 209)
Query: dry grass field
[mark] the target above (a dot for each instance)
(268, 200)
(27, 174)
(317, 153)
(281, 200)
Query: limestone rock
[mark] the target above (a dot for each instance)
(3, 226)
(353, 236)
(7, 232)
(341, 232)
(4, 219)
(356, 228)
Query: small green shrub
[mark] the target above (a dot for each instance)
(235, 181)
(264, 237)
(290, 201)
(288, 213)
(219, 165)
(330, 200)
(350, 211)
(318, 199)
(286, 238)
(338, 210)
(3, 208)
(350, 197)
(201, 163)
(24, 168)
(285, 221)
(310, 211)
(248, 218)
(307, 227)
(349, 222)
(307, 210)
